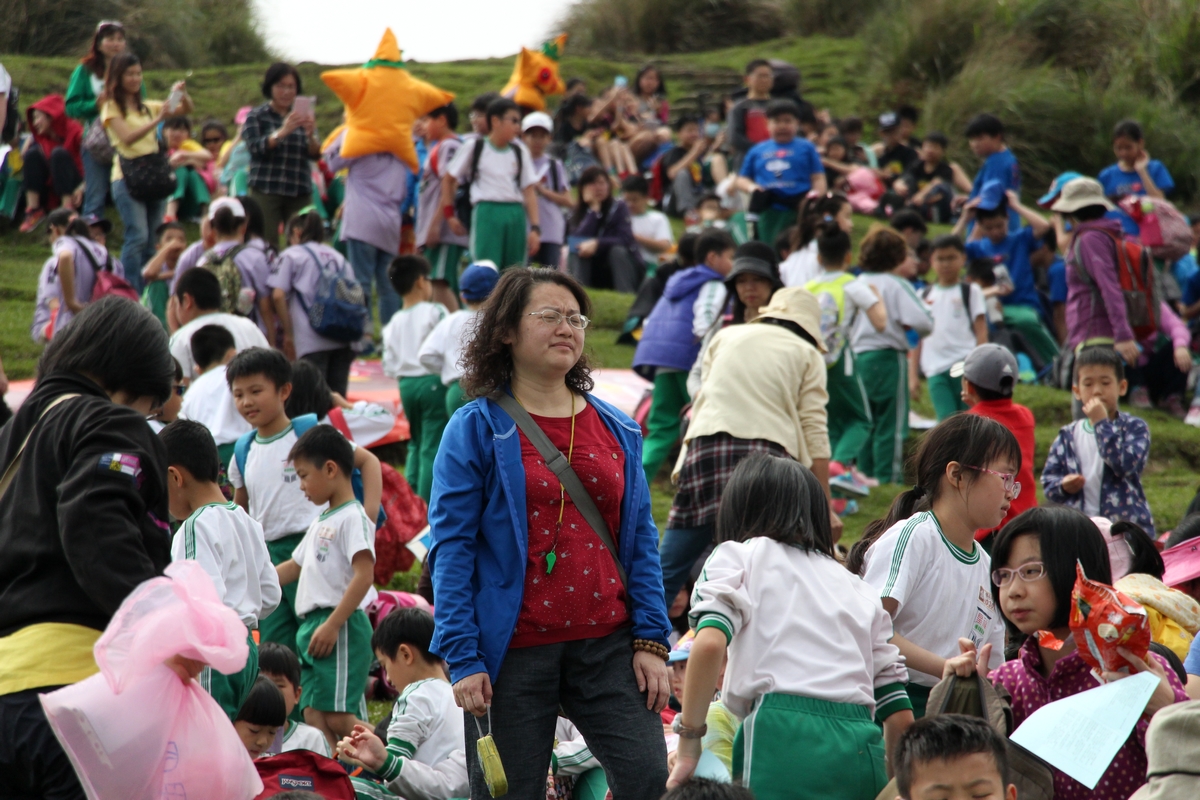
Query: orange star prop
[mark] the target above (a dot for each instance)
(382, 102)
(535, 75)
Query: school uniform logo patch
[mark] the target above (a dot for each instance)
(124, 463)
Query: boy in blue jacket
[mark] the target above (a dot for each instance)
(692, 302)
(985, 135)
(1096, 463)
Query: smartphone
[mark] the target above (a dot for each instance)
(620, 81)
(173, 100)
(304, 105)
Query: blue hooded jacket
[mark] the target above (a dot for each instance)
(667, 337)
(479, 527)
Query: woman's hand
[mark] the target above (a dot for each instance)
(687, 755)
(588, 249)
(970, 662)
(473, 693)
(162, 113)
(1183, 359)
(651, 674)
(290, 123)
(1163, 695)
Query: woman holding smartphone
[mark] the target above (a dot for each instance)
(281, 136)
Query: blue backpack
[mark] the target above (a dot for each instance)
(339, 309)
(301, 425)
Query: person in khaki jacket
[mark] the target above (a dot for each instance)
(763, 392)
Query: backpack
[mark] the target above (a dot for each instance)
(107, 282)
(1163, 229)
(403, 512)
(978, 697)
(339, 309)
(378, 685)
(1135, 270)
(462, 196)
(965, 288)
(831, 299)
(13, 115)
(300, 426)
(303, 770)
(235, 298)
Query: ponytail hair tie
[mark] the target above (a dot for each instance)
(919, 491)
(828, 218)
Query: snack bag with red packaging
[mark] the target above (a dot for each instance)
(1103, 619)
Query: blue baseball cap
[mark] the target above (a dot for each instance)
(991, 195)
(682, 648)
(478, 280)
(1056, 187)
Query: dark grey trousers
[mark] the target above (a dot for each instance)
(593, 681)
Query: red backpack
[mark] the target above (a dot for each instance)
(1135, 270)
(303, 770)
(107, 282)
(406, 516)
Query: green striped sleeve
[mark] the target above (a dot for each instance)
(714, 620)
(397, 751)
(889, 699)
(898, 554)
(189, 539)
(575, 759)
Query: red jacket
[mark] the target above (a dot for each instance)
(1018, 419)
(64, 131)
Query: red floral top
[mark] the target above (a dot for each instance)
(582, 597)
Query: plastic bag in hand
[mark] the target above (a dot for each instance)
(1103, 619)
(136, 731)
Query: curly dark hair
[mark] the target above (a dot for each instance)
(882, 251)
(487, 363)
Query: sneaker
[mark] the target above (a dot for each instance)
(1140, 397)
(846, 484)
(838, 505)
(865, 480)
(1193, 416)
(32, 220)
(850, 509)
(1173, 405)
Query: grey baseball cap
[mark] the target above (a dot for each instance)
(989, 366)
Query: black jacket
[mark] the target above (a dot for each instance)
(85, 519)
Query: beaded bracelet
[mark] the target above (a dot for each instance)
(653, 648)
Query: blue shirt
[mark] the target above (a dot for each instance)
(1001, 167)
(1119, 183)
(1191, 290)
(1191, 664)
(1058, 280)
(1013, 252)
(786, 169)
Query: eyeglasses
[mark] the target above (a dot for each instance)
(554, 318)
(1034, 570)
(1010, 481)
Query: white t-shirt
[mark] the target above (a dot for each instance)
(1091, 465)
(945, 594)
(496, 179)
(209, 402)
(904, 309)
(224, 540)
(444, 346)
(708, 307)
(798, 623)
(403, 336)
(652, 225)
(368, 422)
(426, 724)
(273, 486)
(5, 81)
(299, 736)
(325, 555)
(246, 334)
(801, 266)
(953, 336)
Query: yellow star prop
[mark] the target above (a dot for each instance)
(382, 102)
(535, 76)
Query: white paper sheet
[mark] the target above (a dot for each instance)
(1081, 734)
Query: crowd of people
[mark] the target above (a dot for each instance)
(560, 644)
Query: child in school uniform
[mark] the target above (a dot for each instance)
(208, 399)
(423, 757)
(333, 566)
(553, 190)
(1096, 463)
(841, 297)
(223, 539)
(264, 480)
(881, 357)
(953, 755)
(281, 666)
(959, 314)
(260, 717)
(444, 346)
(443, 248)
(421, 392)
(923, 560)
(753, 600)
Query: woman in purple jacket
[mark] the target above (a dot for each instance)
(603, 250)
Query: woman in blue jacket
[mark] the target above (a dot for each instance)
(532, 610)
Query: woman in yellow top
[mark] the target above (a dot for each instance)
(132, 126)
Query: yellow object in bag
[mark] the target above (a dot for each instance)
(489, 760)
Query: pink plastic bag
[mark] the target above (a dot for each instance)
(137, 732)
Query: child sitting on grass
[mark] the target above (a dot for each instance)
(334, 565)
(1096, 463)
(424, 756)
(159, 272)
(280, 665)
(260, 717)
